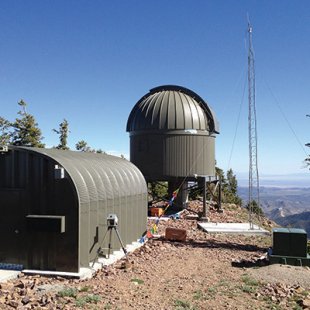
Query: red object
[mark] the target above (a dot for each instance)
(149, 234)
(175, 234)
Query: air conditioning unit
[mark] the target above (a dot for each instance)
(3, 148)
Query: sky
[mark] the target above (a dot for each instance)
(91, 61)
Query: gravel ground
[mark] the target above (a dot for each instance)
(204, 272)
(284, 274)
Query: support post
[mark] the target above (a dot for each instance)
(204, 208)
(219, 200)
(204, 199)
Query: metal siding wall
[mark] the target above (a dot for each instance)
(102, 185)
(189, 155)
(39, 195)
(65, 202)
(173, 155)
(13, 245)
(134, 214)
(90, 216)
(110, 180)
(146, 153)
(126, 233)
(105, 205)
(118, 205)
(119, 193)
(47, 196)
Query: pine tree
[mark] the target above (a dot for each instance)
(232, 182)
(82, 146)
(230, 188)
(5, 134)
(255, 208)
(158, 190)
(220, 174)
(26, 130)
(63, 132)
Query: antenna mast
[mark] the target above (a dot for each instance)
(253, 168)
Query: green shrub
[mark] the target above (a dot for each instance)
(158, 190)
(138, 281)
(68, 292)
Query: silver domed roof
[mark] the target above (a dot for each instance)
(171, 107)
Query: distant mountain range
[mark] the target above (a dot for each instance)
(288, 207)
(298, 180)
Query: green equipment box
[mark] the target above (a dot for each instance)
(289, 242)
(289, 247)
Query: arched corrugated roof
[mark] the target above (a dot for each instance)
(171, 107)
(97, 176)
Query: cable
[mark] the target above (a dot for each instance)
(285, 118)
(243, 73)
(237, 126)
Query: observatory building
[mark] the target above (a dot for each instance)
(55, 205)
(172, 137)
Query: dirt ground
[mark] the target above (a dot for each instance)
(204, 272)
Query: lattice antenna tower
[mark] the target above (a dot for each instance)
(253, 167)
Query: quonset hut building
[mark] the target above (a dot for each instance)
(54, 206)
(172, 137)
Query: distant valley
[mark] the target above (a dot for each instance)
(288, 207)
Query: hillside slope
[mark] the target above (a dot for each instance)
(288, 207)
(300, 220)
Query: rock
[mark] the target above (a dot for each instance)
(2, 300)
(13, 303)
(32, 284)
(20, 284)
(299, 290)
(25, 300)
(43, 300)
(123, 265)
(5, 286)
(306, 303)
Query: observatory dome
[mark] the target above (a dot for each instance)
(172, 134)
(171, 107)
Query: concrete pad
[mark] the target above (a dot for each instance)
(85, 273)
(115, 256)
(233, 228)
(6, 275)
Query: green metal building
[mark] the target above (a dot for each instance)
(54, 206)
